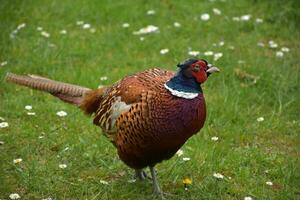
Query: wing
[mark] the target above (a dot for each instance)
(128, 96)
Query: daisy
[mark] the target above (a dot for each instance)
(28, 107)
(63, 32)
(151, 12)
(208, 53)
(45, 34)
(146, 30)
(177, 24)
(18, 160)
(279, 54)
(215, 138)
(3, 63)
(62, 166)
(61, 113)
(86, 26)
(14, 196)
(260, 119)
(218, 175)
(245, 17)
(217, 11)
(103, 78)
(125, 25)
(164, 51)
(103, 182)
(205, 17)
(193, 53)
(3, 124)
(269, 183)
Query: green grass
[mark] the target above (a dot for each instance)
(245, 149)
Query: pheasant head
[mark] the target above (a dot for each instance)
(191, 74)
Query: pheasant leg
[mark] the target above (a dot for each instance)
(157, 191)
(140, 174)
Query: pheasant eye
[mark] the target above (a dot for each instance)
(196, 68)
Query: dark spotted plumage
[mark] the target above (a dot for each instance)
(148, 116)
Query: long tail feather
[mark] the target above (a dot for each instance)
(67, 92)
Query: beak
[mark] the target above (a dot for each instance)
(212, 69)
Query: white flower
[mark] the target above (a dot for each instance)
(164, 51)
(51, 45)
(142, 38)
(248, 198)
(103, 78)
(45, 34)
(259, 20)
(2, 119)
(260, 119)
(62, 166)
(28, 107)
(41, 137)
(3, 124)
(215, 138)
(92, 30)
(260, 44)
(3, 63)
(21, 26)
(208, 53)
(236, 19)
(285, 49)
(245, 17)
(205, 17)
(103, 182)
(218, 175)
(269, 183)
(193, 53)
(221, 43)
(39, 28)
(1, 143)
(217, 56)
(279, 54)
(177, 24)
(272, 44)
(217, 11)
(147, 29)
(63, 32)
(18, 160)
(61, 113)
(48, 198)
(186, 159)
(14, 196)
(179, 153)
(125, 25)
(31, 113)
(150, 12)
(86, 26)
(80, 23)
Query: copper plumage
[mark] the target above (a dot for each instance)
(147, 116)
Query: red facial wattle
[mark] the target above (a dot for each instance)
(199, 71)
(200, 76)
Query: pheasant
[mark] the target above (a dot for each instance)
(147, 116)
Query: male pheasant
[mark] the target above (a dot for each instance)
(147, 116)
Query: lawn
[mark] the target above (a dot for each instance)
(251, 135)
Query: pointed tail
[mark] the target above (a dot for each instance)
(67, 92)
